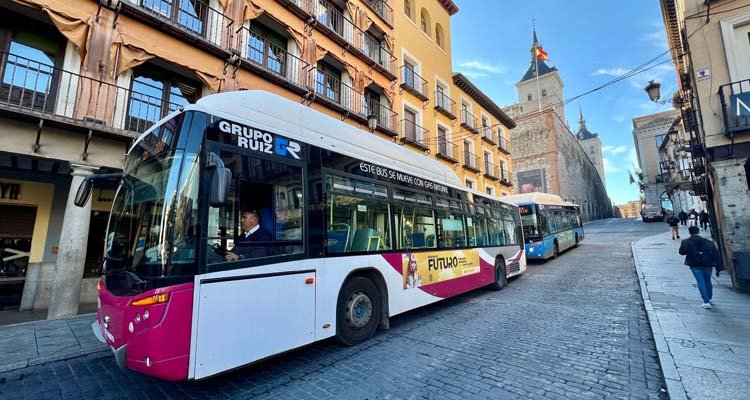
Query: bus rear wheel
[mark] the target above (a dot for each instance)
(358, 311)
(501, 275)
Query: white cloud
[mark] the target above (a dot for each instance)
(609, 168)
(619, 118)
(607, 148)
(657, 38)
(472, 74)
(610, 71)
(620, 149)
(482, 66)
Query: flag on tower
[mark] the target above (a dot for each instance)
(632, 181)
(541, 54)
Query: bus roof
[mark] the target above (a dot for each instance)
(297, 121)
(538, 198)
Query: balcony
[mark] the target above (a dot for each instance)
(415, 135)
(339, 96)
(273, 62)
(491, 170)
(447, 150)
(332, 22)
(468, 121)
(445, 105)
(191, 20)
(506, 178)
(33, 91)
(413, 83)
(387, 118)
(471, 162)
(383, 10)
(735, 107)
(504, 145)
(488, 135)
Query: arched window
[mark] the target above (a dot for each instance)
(425, 22)
(439, 36)
(409, 8)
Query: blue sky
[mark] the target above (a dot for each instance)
(590, 42)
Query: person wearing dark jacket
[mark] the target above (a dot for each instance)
(674, 226)
(244, 242)
(703, 218)
(701, 256)
(683, 217)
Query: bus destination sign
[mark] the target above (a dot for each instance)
(264, 142)
(395, 176)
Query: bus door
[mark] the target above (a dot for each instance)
(255, 296)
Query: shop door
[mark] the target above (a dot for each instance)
(15, 246)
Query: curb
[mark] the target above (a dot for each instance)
(675, 389)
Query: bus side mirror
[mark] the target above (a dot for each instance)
(221, 177)
(84, 191)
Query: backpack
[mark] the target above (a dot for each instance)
(706, 253)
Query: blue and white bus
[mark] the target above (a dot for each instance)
(550, 225)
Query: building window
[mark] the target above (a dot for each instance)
(266, 48)
(408, 9)
(439, 36)
(469, 184)
(528, 97)
(328, 82)
(660, 140)
(544, 92)
(425, 22)
(155, 93)
(489, 190)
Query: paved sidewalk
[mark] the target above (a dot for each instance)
(704, 354)
(39, 342)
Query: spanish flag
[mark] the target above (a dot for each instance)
(541, 54)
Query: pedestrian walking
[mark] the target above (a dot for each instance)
(674, 226)
(692, 217)
(703, 218)
(702, 257)
(683, 217)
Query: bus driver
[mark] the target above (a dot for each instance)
(251, 232)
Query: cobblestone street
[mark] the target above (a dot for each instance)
(574, 327)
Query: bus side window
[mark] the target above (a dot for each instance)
(415, 221)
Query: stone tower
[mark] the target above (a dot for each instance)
(540, 86)
(591, 145)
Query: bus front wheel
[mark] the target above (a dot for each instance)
(359, 307)
(501, 275)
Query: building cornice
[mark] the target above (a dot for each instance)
(465, 84)
(449, 6)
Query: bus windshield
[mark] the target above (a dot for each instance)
(529, 221)
(146, 246)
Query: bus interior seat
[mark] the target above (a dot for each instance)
(430, 240)
(418, 239)
(340, 233)
(362, 238)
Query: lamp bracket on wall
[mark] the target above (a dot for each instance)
(86, 143)
(35, 147)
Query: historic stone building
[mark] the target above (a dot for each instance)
(649, 131)
(547, 156)
(592, 145)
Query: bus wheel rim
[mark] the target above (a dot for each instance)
(359, 310)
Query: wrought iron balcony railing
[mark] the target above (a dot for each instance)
(490, 170)
(194, 17)
(383, 10)
(504, 145)
(506, 178)
(45, 91)
(415, 134)
(387, 118)
(468, 121)
(330, 17)
(413, 83)
(273, 60)
(735, 106)
(447, 149)
(331, 90)
(471, 161)
(487, 134)
(445, 104)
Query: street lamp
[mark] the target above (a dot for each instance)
(654, 90)
(372, 122)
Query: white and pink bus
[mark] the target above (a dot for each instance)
(247, 225)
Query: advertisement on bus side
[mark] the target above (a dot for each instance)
(421, 269)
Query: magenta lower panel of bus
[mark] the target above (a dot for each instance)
(150, 332)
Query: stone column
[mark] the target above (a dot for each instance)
(72, 250)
